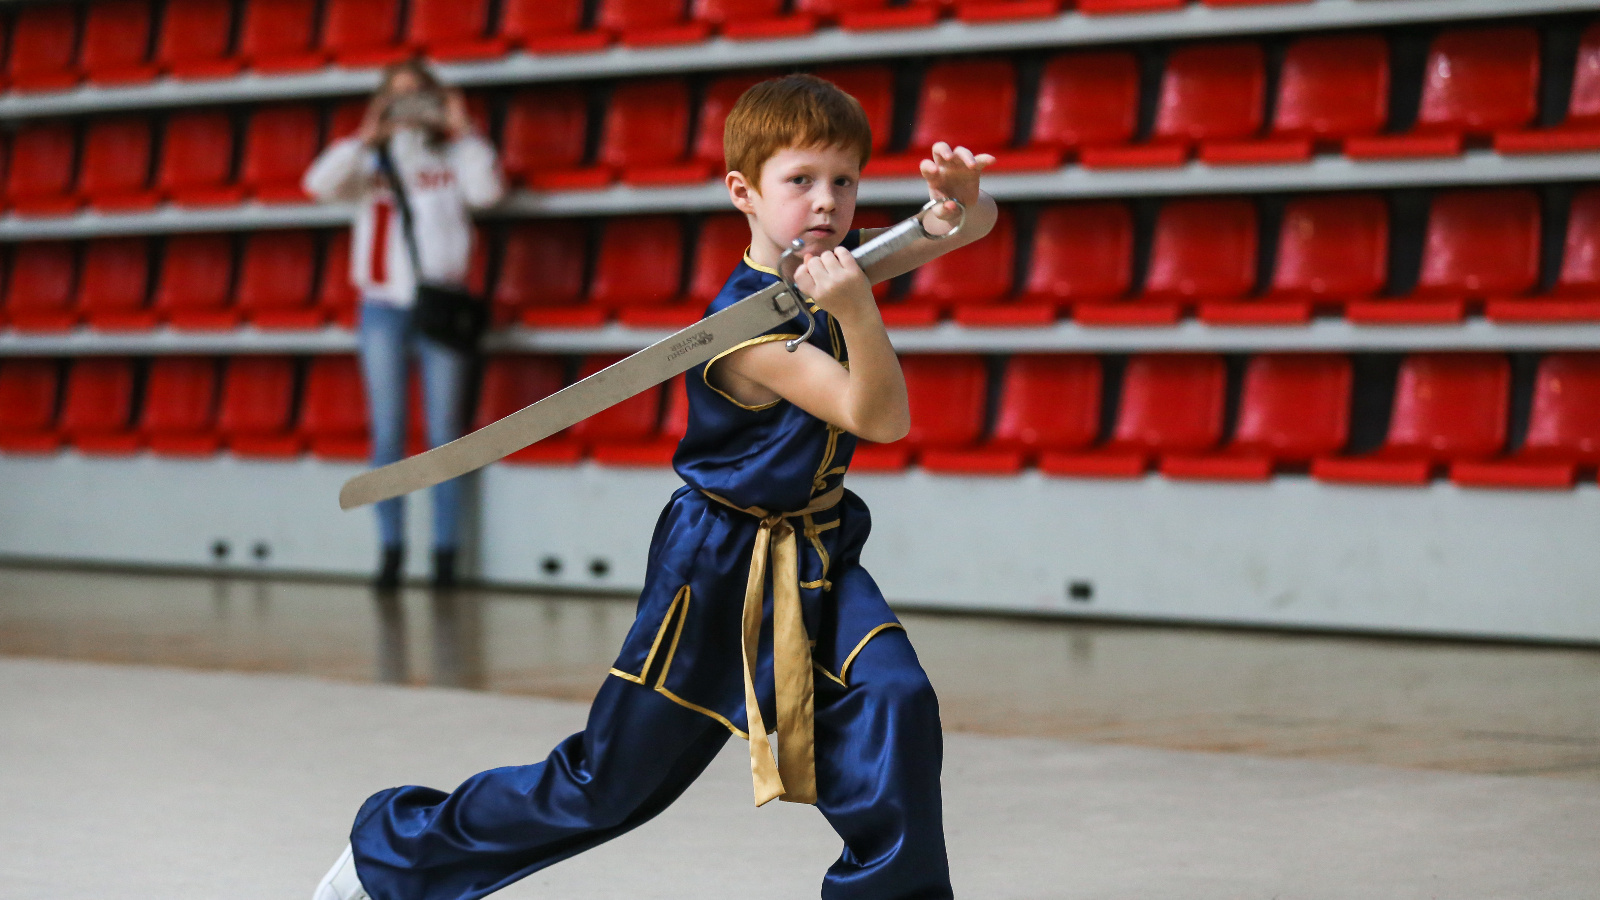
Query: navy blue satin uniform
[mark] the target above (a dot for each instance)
(676, 690)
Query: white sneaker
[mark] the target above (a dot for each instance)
(341, 882)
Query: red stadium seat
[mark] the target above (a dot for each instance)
(28, 390)
(453, 30)
(1087, 99)
(873, 87)
(978, 274)
(715, 104)
(1203, 251)
(1331, 250)
(1082, 258)
(279, 145)
(513, 381)
(1576, 296)
(333, 413)
(638, 264)
(254, 417)
(336, 295)
(116, 42)
(1330, 88)
(1478, 81)
(195, 39)
(115, 283)
(39, 287)
(1294, 407)
(179, 410)
(541, 276)
(1563, 430)
(1581, 130)
(1209, 93)
(115, 173)
(647, 133)
(632, 421)
(44, 47)
(543, 140)
(972, 103)
(722, 242)
(1048, 402)
(280, 36)
(658, 450)
(1479, 243)
(197, 160)
(747, 19)
(1171, 403)
(549, 26)
(363, 32)
(98, 407)
(947, 394)
(1447, 407)
(40, 178)
(196, 282)
(276, 277)
(645, 23)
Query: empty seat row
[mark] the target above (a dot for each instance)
(275, 407)
(1450, 413)
(196, 281)
(1481, 249)
(126, 163)
(57, 45)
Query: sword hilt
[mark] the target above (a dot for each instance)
(891, 241)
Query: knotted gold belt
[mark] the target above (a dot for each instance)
(791, 658)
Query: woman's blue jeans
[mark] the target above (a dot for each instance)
(387, 341)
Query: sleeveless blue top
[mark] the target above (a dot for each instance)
(776, 456)
(685, 641)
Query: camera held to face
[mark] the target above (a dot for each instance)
(424, 110)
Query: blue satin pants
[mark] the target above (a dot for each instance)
(878, 748)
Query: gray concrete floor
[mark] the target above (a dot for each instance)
(147, 782)
(1498, 709)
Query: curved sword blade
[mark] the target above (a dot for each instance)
(660, 361)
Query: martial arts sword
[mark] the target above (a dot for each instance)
(755, 314)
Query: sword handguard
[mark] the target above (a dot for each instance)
(893, 239)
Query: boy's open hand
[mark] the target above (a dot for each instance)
(835, 281)
(952, 174)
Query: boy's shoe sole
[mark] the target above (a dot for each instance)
(341, 882)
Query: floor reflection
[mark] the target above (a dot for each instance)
(1508, 709)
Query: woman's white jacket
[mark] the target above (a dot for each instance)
(443, 184)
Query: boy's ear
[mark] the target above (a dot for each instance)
(739, 191)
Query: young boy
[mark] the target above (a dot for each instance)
(770, 437)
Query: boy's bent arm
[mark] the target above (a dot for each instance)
(867, 398)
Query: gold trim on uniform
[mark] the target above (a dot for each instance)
(844, 670)
(763, 339)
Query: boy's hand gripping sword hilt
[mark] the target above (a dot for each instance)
(890, 241)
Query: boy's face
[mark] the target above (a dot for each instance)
(807, 193)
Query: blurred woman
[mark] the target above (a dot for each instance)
(445, 170)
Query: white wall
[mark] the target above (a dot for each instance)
(1291, 552)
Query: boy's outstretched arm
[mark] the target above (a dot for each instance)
(951, 173)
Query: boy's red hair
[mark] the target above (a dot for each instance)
(792, 111)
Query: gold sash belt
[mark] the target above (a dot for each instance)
(791, 658)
